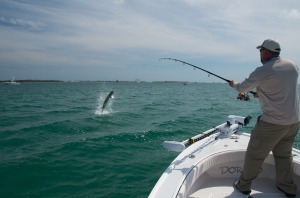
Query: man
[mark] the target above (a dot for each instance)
(275, 130)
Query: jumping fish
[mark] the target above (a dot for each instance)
(106, 100)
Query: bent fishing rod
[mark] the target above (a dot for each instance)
(194, 66)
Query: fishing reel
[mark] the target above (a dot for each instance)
(243, 96)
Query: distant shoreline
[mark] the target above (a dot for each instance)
(32, 81)
(117, 81)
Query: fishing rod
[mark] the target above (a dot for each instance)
(241, 96)
(176, 60)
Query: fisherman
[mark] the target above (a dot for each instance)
(275, 130)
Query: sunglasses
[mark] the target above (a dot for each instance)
(261, 49)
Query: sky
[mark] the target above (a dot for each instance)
(124, 39)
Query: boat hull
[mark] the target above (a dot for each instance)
(209, 168)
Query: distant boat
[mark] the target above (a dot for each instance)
(12, 81)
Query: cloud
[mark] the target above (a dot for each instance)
(118, 2)
(119, 34)
(293, 14)
(21, 23)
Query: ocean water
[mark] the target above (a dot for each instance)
(56, 142)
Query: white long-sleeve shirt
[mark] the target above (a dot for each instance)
(276, 83)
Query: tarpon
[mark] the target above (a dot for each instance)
(106, 100)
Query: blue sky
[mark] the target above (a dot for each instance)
(124, 39)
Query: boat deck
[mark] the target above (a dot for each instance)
(209, 167)
(223, 188)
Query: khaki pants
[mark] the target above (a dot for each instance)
(268, 137)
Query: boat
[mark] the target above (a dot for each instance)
(12, 82)
(209, 164)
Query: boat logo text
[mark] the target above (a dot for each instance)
(230, 169)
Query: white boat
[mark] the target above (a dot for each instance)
(12, 82)
(209, 164)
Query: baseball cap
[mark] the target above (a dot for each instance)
(270, 44)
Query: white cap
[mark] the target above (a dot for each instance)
(271, 45)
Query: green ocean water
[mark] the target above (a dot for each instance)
(55, 142)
